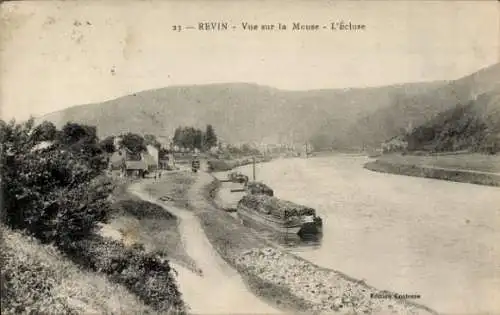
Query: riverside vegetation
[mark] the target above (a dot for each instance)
(55, 196)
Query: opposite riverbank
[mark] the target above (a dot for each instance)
(465, 168)
(282, 279)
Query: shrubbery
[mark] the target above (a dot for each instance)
(463, 127)
(141, 210)
(145, 274)
(55, 192)
(36, 279)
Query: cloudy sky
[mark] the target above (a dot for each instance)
(59, 54)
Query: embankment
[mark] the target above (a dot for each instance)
(450, 174)
(221, 165)
(218, 289)
(287, 281)
(39, 279)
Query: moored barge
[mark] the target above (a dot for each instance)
(279, 215)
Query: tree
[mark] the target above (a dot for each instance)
(77, 134)
(108, 144)
(210, 138)
(54, 193)
(46, 131)
(134, 142)
(82, 141)
(178, 137)
(198, 139)
(151, 140)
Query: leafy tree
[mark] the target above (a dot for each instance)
(108, 144)
(46, 131)
(177, 139)
(210, 137)
(53, 193)
(193, 138)
(77, 134)
(151, 140)
(198, 139)
(83, 142)
(134, 142)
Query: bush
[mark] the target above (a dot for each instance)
(141, 210)
(54, 193)
(145, 274)
(37, 279)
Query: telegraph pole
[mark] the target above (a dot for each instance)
(253, 162)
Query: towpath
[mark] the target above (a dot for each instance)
(220, 289)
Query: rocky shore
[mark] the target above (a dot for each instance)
(325, 290)
(294, 282)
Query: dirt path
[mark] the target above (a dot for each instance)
(220, 289)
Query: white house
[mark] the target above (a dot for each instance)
(153, 151)
(117, 142)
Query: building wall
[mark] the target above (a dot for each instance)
(153, 152)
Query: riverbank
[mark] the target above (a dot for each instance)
(135, 222)
(465, 168)
(284, 280)
(221, 165)
(217, 288)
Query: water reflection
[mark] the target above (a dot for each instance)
(287, 240)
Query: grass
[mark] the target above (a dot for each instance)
(38, 279)
(469, 161)
(147, 275)
(221, 165)
(230, 239)
(175, 186)
(455, 168)
(149, 225)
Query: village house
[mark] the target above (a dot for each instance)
(134, 165)
(137, 169)
(151, 158)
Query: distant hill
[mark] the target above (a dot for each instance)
(239, 112)
(409, 110)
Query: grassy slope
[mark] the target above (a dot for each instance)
(37, 278)
(459, 168)
(471, 162)
(141, 223)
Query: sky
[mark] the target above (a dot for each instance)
(59, 54)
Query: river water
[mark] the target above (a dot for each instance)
(405, 234)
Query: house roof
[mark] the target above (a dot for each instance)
(135, 165)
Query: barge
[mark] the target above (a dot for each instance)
(258, 188)
(278, 215)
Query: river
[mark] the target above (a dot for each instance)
(405, 234)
